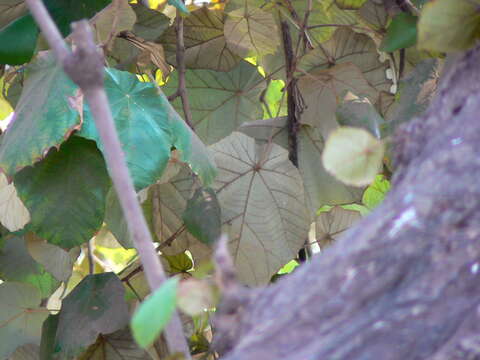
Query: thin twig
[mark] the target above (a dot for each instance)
(180, 56)
(91, 261)
(85, 67)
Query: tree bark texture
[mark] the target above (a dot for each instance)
(405, 282)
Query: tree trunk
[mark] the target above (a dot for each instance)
(405, 282)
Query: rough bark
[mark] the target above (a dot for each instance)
(405, 282)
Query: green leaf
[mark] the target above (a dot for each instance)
(21, 317)
(353, 156)
(449, 25)
(150, 24)
(180, 5)
(65, 193)
(179, 263)
(33, 132)
(96, 306)
(205, 46)
(375, 193)
(263, 206)
(148, 127)
(202, 216)
(154, 313)
(350, 4)
(401, 33)
(19, 39)
(16, 264)
(213, 94)
(21, 34)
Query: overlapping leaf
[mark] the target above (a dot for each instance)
(263, 206)
(13, 214)
(16, 264)
(331, 224)
(251, 31)
(321, 188)
(10, 10)
(116, 17)
(150, 24)
(65, 193)
(96, 306)
(21, 317)
(148, 127)
(221, 101)
(322, 91)
(205, 46)
(43, 119)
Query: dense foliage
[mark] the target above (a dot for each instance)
(289, 110)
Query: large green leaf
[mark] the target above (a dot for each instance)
(16, 264)
(401, 33)
(21, 317)
(321, 188)
(154, 313)
(43, 119)
(65, 193)
(19, 39)
(202, 216)
(21, 34)
(96, 306)
(263, 206)
(221, 101)
(449, 25)
(205, 46)
(148, 127)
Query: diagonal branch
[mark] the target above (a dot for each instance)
(85, 67)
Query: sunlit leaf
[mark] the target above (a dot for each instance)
(331, 224)
(449, 25)
(148, 127)
(214, 94)
(353, 155)
(205, 46)
(13, 214)
(33, 132)
(202, 216)
(21, 317)
(96, 306)
(375, 193)
(179, 263)
(16, 264)
(263, 206)
(154, 313)
(66, 207)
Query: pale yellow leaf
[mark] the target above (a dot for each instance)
(13, 214)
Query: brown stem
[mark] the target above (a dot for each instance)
(85, 67)
(180, 56)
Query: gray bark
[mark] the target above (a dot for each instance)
(405, 282)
